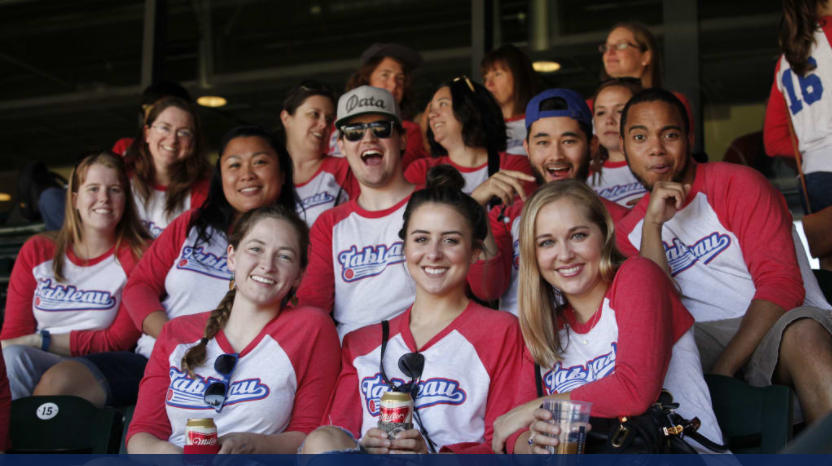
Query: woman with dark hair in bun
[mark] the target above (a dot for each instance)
(458, 360)
(321, 181)
(185, 271)
(467, 131)
(260, 368)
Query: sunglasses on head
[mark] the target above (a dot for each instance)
(382, 129)
(216, 392)
(467, 81)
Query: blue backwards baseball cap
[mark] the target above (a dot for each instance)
(576, 107)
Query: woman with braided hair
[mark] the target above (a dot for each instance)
(249, 363)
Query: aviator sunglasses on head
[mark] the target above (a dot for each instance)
(217, 392)
(382, 129)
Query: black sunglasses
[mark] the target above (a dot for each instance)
(355, 132)
(217, 392)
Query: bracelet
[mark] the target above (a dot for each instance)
(45, 340)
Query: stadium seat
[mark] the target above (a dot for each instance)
(63, 424)
(814, 440)
(752, 419)
(127, 413)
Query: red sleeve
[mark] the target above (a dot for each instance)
(625, 226)
(344, 175)
(521, 164)
(150, 415)
(5, 408)
(749, 206)
(617, 211)
(488, 280)
(146, 285)
(526, 391)
(318, 286)
(19, 318)
(417, 172)
(504, 356)
(316, 364)
(199, 192)
(344, 409)
(776, 135)
(650, 319)
(414, 150)
(121, 335)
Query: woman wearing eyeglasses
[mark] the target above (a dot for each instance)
(65, 294)
(467, 131)
(457, 359)
(508, 74)
(631, 51)
(185, 271)
(600, 329)
(262, 369)
(610, 176)
(321, 181)
(168, 168)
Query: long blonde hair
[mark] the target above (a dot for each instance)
(129, 230)
(540, 304)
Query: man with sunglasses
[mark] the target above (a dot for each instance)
(560, 145)
(355, 266)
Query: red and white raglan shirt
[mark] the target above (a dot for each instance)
(332, 185)
(281, 382)
(505, 226)
(732, 242)
(151, 211)
(615, 182)
(5, 407)
(417, 172)
(469, 378)
(179, 275)
(639, 341)
(682, 98)
(87, 305)
(356, 266)
(516, 135)
(414, 149)
(809, 107)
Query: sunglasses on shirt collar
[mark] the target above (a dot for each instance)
(217, 392)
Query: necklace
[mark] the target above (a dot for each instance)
(591, 322)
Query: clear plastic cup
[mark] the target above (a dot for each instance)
(573, 419)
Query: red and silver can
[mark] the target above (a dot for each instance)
(201, 432)
(396, 413)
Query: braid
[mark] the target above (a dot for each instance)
(195, 356)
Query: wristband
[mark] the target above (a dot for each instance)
(46, 339)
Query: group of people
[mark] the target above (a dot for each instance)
(515, 245)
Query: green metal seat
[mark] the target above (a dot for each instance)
(63, 424)
(752, 419)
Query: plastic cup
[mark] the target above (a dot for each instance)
(573, 419)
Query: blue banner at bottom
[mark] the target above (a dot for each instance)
(417, 460)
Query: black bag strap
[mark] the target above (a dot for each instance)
(385, 334)
(538, 380)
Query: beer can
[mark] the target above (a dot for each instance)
(396, 413)
(201, 432)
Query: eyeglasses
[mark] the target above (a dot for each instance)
(617, 46)
(355, 132)
(165, 131)
(217, 392)
(467, 81)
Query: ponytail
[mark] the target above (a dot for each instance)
(797, 33)
(195, 356)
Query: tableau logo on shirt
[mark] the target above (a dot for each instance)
(565, 379)
(621, 191)
(155, 230)
(431, 392)
(317, 199)
(199, 261)
(681, 257)
(369, 262)
(57, 297)
(185, 392)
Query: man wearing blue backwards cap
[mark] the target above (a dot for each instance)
(560, 144)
